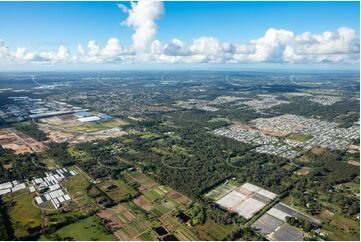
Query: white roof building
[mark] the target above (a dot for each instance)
(5, 191)
(89, 119)
(18, 187)
(6, 185)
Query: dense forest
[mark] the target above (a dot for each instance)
(302, 106)
(329, 170)
(101, 161)
(18, 167)
(5, 228)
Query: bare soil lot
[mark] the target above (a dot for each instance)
(19, 142)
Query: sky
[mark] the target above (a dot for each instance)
(147, 34)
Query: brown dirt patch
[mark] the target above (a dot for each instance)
(19, 142)
(317, 151)
(141, 202)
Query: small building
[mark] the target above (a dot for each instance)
(89, 119)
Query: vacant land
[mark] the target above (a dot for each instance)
(19, 142)
(211, 230)
(117, 190)
(86, 229)
(24, 215)
(58, 129)
(304, 171)
(97, 126)
(77, 188)
(298, 137)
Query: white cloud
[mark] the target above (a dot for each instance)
(270, 47)
(142, 17)
(275, 46)
(5, 55)
(113, 51)
(206, 46)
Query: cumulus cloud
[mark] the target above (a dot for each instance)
(275, 46)
(4, 52)
(113, 51)
(142, 17)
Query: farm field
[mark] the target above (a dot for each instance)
(89, 228)
(126, 222)
(117, 190)
(132, 220)
(144, 181)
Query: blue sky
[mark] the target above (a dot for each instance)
(44, 26)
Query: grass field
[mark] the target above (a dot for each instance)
(179, 149)
(149, 136)
(160, 151)
(78, 154)
(210, 230)
(77, 187)
(96, 126)
(175, 136)
(49, 162)
(23, 214)
(346, 223)
(353, 186)
(336, 234)
(298, 137)
(117, 190)
(219, 119)
(85, 229)
(304, 171)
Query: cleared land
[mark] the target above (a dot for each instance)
(19, 142)
(60, 129)
(298, 137)
(117, 190)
